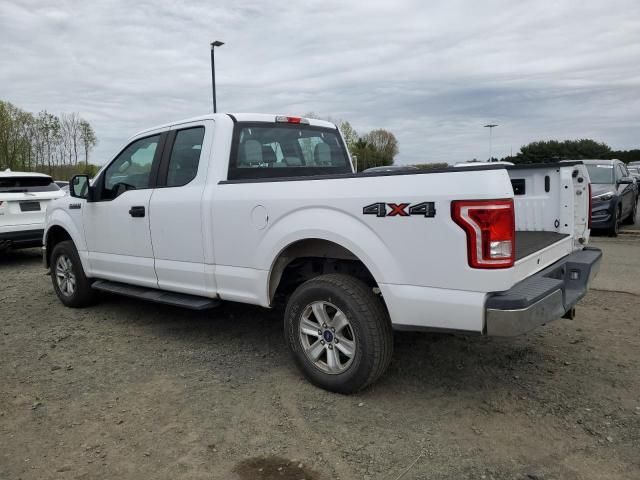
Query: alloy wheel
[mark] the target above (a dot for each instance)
(65, 277)
(327, 337)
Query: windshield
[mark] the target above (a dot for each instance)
(27, 184)
(286, 150)
(600, 173)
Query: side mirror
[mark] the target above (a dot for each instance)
(625, 181)
(79, 187)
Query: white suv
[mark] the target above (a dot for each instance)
(23, 201)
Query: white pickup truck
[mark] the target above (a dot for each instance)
(254, 208)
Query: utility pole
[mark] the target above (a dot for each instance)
(215, 44)
(490, 126)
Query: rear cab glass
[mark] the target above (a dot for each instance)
(16, 184)
(272, 150)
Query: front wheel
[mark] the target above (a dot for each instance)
(339, 333)
(615, 226)
(69, 281)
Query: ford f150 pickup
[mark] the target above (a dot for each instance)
(255, 208)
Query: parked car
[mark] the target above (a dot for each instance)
(62, 183)
(24, 197)
(614, 195)
(266, 207)
(635, 173)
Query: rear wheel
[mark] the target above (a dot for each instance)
(339, 333)
(630, 220)
(69, 281)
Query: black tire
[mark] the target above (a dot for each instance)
(368, 321)
(615, 226)
(630, 220)
(82, 294)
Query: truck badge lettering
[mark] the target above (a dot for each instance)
(379, 209)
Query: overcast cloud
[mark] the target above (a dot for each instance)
(431, 73)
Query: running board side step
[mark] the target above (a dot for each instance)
(184, 300)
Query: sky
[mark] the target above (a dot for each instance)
(433, 73)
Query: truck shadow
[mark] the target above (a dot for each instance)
(13, 258)
(421, 361)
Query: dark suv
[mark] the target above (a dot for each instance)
(614, 194)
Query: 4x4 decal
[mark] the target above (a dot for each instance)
(379, 209)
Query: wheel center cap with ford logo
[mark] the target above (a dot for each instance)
(328, 336)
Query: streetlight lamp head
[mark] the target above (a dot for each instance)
(217, 43)
(491, 125)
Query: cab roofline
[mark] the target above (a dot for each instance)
(240, 117)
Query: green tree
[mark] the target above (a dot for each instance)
(625, 155)
(43, 142)
(368, 155)
(554, 151)
(88, 139)
(376, 148)
(348, 133)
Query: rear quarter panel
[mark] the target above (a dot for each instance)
(411, 250)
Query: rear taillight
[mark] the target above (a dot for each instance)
(490, 229)
(590, 205)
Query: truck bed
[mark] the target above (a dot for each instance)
(530, 242)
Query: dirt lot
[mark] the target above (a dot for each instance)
(131, 390)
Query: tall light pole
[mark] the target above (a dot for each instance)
(491, 126)
(215, 44)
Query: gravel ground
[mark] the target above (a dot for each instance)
(132, 390)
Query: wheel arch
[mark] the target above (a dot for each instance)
(313, 257)
(59, 228)
(55, 234)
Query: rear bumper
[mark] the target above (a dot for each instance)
(21, 239)
(543, 297)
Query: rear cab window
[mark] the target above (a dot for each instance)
(16, 184)
(274, 150)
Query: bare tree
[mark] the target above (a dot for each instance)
(50, 129)
(384, 142)
(71, 135)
